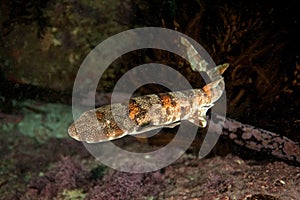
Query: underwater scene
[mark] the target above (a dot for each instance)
(161, 99)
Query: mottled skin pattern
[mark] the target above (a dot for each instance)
(146, 113)
(258, 139)
(168, 109)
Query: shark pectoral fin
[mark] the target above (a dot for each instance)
(200, 118)
(199, 121)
